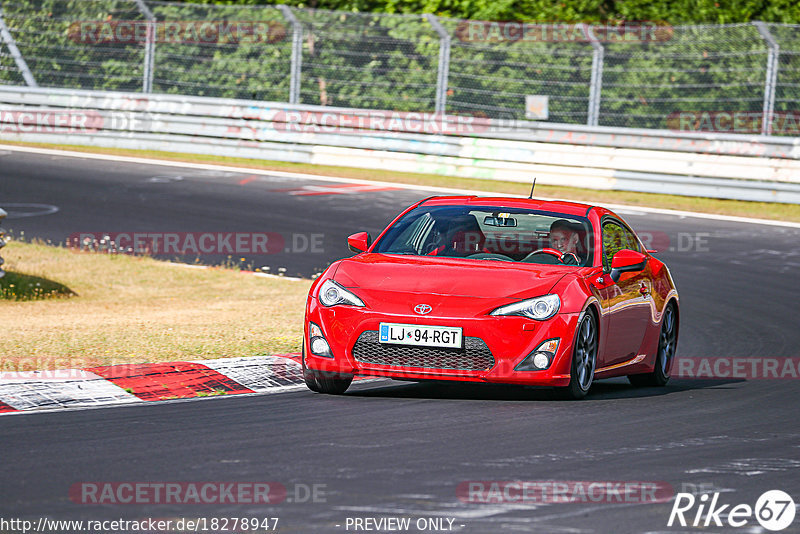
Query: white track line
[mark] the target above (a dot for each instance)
(322, 178)
(254, 273)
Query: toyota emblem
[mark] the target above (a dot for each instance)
(422, 309)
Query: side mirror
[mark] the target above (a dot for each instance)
(359, 242)
(627, 261)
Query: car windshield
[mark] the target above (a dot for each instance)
(491, 233)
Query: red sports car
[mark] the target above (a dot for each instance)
(502, 290)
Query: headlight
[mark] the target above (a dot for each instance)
(331, 294)
(539, 308)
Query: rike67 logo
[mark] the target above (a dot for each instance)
(774, 510)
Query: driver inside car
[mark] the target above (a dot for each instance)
(565, 238)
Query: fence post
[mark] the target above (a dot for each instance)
(297, 53)
(771, 80)
(149, 47)
(2, 242)
(444, 64)
(596, 82)
(22, 65)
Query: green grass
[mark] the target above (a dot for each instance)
(214, 393)
(762, 210)
(19, 287)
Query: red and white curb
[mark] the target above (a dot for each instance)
(140, 383)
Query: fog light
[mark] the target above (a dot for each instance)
(318, 345)
(541, 358)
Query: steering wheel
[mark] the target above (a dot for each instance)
(566, 258)
(570, 258)
(551, 251)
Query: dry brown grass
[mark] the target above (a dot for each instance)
(132, 309)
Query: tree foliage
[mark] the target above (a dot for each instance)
(384, 55)
(670, 11)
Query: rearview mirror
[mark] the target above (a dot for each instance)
(359, 242)
(499, 221)
(627, 261)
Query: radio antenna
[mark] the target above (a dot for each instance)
(532, 186)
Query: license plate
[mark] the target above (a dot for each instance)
(425, 335)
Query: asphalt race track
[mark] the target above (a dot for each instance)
(394, 449)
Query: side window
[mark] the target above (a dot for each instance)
(614, 240)
(633, 243)
(414, 236)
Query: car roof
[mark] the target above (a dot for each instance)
(560, 206)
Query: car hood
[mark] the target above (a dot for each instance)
(422, 275)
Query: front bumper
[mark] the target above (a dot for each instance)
(509, 340)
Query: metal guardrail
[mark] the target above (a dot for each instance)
(2, 241)
(641, 138)
(714, 165)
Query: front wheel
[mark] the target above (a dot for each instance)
(322, 382)
(584, 359)
(330, 383)
(667, 342)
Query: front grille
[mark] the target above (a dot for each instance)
(475, 356)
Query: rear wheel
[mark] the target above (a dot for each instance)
(584, 359)
(667, 342)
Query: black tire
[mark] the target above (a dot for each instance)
(584, 359)
(329, 383)
(322, 382)
(311, 382)
(667, 343)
